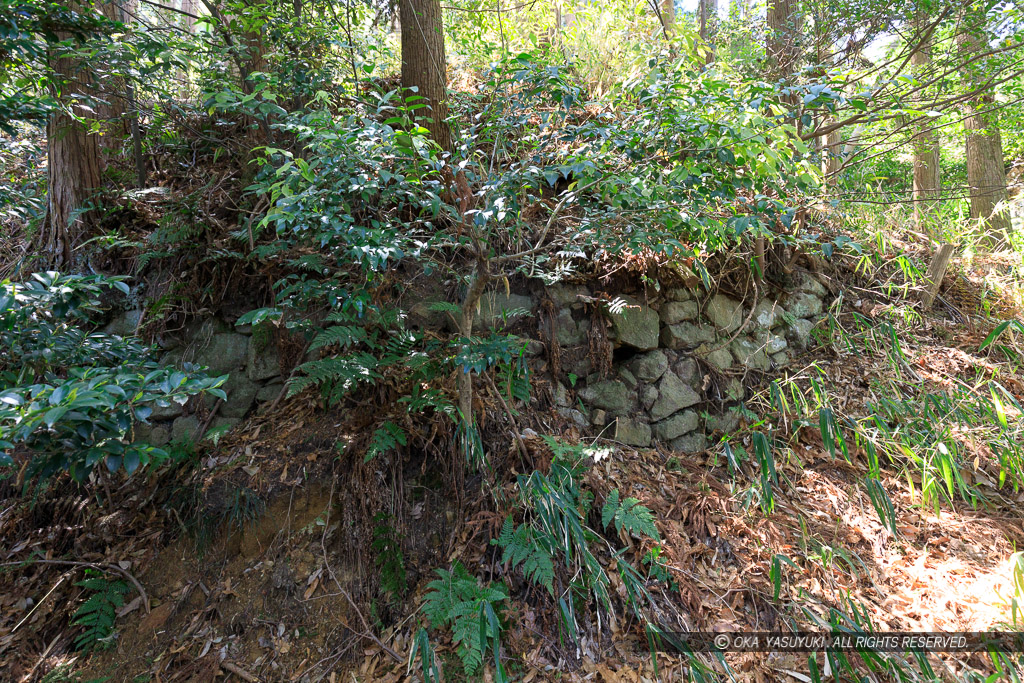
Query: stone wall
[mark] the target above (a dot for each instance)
(679, 358)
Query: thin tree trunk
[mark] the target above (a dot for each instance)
(424, 65)
(74, 166)
(667, 10)
(986, 172)
(927, 186)
(708, 27)
(782, 47)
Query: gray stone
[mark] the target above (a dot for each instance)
(582, 368)
(725, 313)
(780, 359)
(686, 370)
(690, 443)
(124, 324)
(599, 418)
(202, 330)
(734, 390)
(632, 432)
(154, 435)
(264, 361)
(676, 426)
(534, 347)
(677, 311)
(219, 423)
(803, 305)
(799, 333)
(725, 422)
(750, 354)
(565, 295)
(717, 356)
(636, 325)
(576, 416)
(679, 294)
(560, 394)
(497, 307)
(611, 395)
(172, 409)
(771, 342)
(184, 429)
(226, 351)
(648, 395)
(241, 394)
(650, 366)
(570, 332)
(270, 391)
(627, 377)
(673, 396)
(423, 316)
(766, 313)
(810, 284)
(173, 358)
(686, 335)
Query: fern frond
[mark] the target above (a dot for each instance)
(98, 612)
(339, 335)
(387, 437)
(629, 515)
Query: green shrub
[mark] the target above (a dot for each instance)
(68, 396)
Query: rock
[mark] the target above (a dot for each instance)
(780, 359)
(750, 354)
(184, 429)
(650, 366)
(226, 351)
(799, 333)
(576, 416)
(677, 311)
(685, 336)
(676, 426)
(201, 330)
(627, 377)
(422, 316)
(673, 396)
(124, 324)
(569, 332)
(734, 390)
(599, 418)
(719, 358)
(679, 294)
(636, 325)
(560, 394)
(725, 422)
(264, 361)
(534, 348)
(154, 435)
(810, 284)
(803, 305)
(771, 342)
(564, 295)
(173, 358)
(219, 423)
(725, 313)
(173, 409)
(686, 370)
(632, 432)
(241, 394)
(766, 314)
(690, 443)
(648, 395)
(498, 309)
(611, 395)
(581, 368)
(269, 391)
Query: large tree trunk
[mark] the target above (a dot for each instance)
(708, 10)
(986, 172)
(927, 186)
(424, 65)
(667, 12)
(74, 166)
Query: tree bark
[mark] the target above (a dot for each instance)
(783, 47)
(74, 166)
(667, 11)
(111, 93)
(986, 172)
(708, 27)
(424, 65)
(927, 186)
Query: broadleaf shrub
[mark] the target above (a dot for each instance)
(69, 397)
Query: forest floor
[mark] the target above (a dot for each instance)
(273, 591)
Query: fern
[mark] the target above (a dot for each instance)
(339, 335)
(521, 547)
(457, 600)
(388, 559)
(338, 375)
(629, 515)
(387, 437)
(98, 612)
